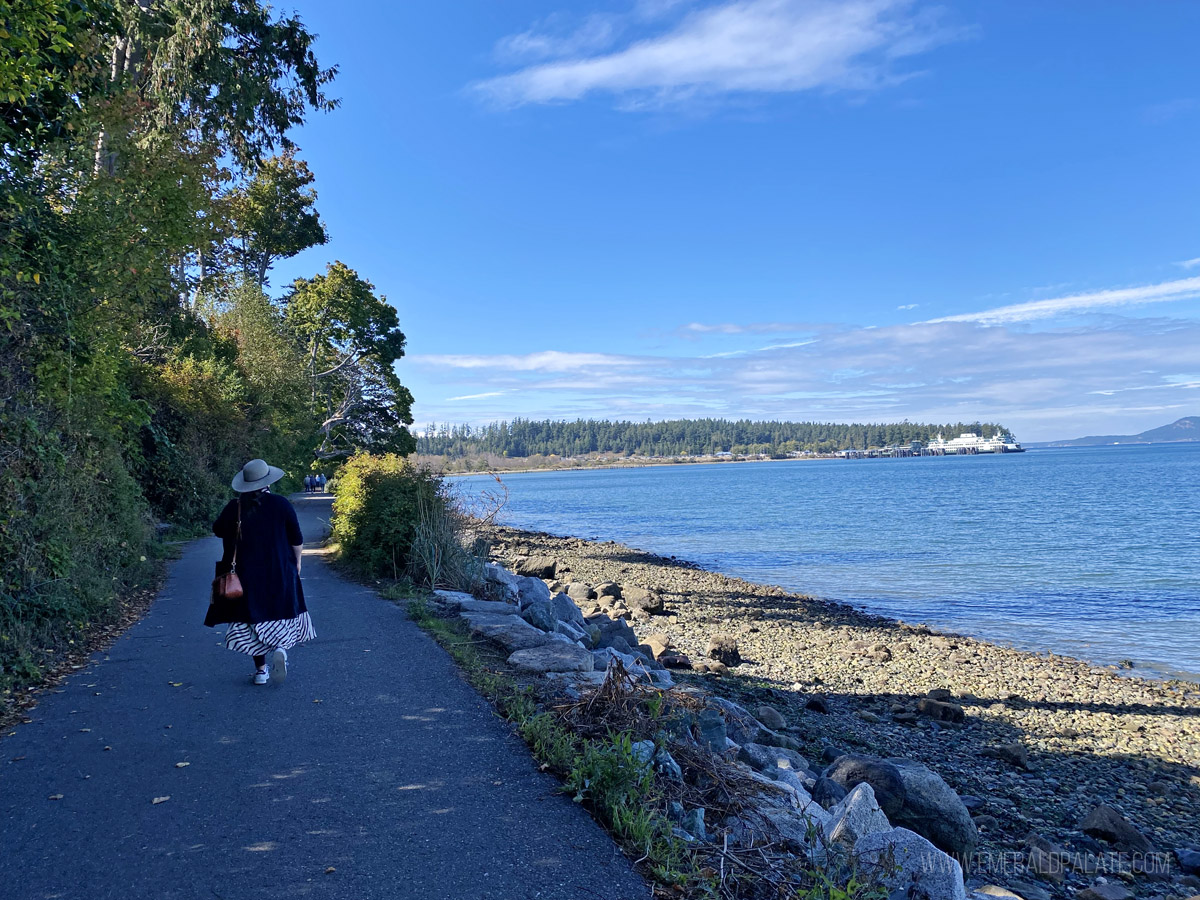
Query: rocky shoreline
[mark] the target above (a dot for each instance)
(1032, 743)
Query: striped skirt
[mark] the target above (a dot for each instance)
(261, 638)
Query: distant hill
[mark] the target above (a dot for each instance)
(1185, 429)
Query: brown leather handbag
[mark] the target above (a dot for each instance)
(228, 586)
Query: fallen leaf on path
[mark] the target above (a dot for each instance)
(85, 730)
(56, 796)
(108, 748)
(317, 701)
(17, 758)
(329, 870)
(158, 800)
(182, 765)
(176, 684)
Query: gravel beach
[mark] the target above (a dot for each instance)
(1032, 742)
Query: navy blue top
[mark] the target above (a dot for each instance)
(266, 563)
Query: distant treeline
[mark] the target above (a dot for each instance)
(679, 437)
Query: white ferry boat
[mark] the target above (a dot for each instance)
(969, 443)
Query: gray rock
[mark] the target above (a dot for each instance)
(924, 871)
(555, 656)
(530, 590)
(693, 823)
(643, 752)
(608, 589)
(771, 717)
(662, 678)
(1047, 859)
(510, 632)
(574, 632)
(577, 590)
(884, 778)
(537, 567)
(724, 649)
(742, 727)
(675, 811)
(770, 760)
(828, 792)
(711, 728)
(632, 664)
(1105, 890)
(1108, 824)
(1189, 860)
(666, 766)
(1028, 890)
(856, 815)
(488, 606)
(637, 598)
(933, 810)
(611, 629)
(453, 599)
(503, 581)
(1015, 754)
(816, 703)
(566, 610)
(941, 711)
(540, 614)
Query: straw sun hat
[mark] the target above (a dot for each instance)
(255, 475)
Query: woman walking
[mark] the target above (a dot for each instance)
(262, 543)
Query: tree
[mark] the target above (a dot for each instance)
(352, 339)
(274, 215)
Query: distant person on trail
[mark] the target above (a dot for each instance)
(262, 542)
(321, 482)
(308, 485)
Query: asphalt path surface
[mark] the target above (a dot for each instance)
(374, 759)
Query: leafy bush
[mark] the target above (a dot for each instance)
(377, 510)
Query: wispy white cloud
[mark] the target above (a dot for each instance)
(693, 329)
(1189, 263)
(736, 46)
(482, 396)
(544, 361)
(1180, 289)
(732, 353)
(908, 306)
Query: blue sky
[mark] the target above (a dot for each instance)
(867, 210)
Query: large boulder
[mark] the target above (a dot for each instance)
(567, 611)
(771, 761)
(530, 590)
(855, 816)
(1108, 824)
(933, 810)
(905, 861)
(510, 632)
(537, 567)
(540, 614)
(503, 581)
(577, 590)
(851, 770)
(611, 629)
(553, 656)
(724, 649)
(608, 589)
(641, 599)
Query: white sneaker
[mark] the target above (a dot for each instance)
(261, 676)
(278, 666)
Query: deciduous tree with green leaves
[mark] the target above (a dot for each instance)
(352, 339)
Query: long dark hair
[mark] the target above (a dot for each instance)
(252, 499)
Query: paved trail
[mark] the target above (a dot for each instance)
(374, 758)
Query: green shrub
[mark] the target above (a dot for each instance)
(376, 512)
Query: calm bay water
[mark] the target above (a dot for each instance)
(1091, 552)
